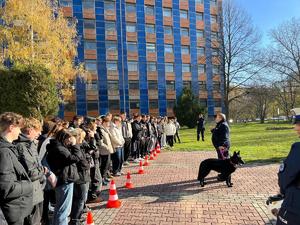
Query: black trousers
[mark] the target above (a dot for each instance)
(177, 136)
(96, 179)
(105, 162)
(135, 149)
(79, 198)
(170, 140)
(285, 217)
(200, 130)
(127, 148)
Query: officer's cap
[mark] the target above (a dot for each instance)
(296, 115)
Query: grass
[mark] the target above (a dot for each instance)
(269, 142)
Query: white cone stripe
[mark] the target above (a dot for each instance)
(90, 224)
(113, 198)
(113, 187)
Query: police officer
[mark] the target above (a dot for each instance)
(289, 181)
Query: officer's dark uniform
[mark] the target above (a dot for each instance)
(289, 183)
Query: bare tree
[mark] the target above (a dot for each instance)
(239, 52)
(284, 54)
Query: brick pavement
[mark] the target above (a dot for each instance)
(169, 194)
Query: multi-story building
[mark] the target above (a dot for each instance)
(142, 53)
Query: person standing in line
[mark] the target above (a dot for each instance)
(15, 185)
(170, 131)
(177, 125)
(137, 131)
(200, 127)
(127, 135)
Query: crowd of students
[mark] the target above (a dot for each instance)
(65, 165)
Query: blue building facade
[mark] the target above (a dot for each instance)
(142, 53)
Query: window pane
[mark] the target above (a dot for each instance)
(88, 4)
(170, 85)
(113, 85)
(109, 8)
(70, 107)
(185, 50)
(131, 27)
(63, 3)
(92, 105)
(214, 36)
(199, 1)
(184, 31)
(216, 86)
(152, 84)
(199, 16)
(134, 84)
(183, 14)
(132, 66)
(201, 68)
(186, 68)
(203, 102)
(131, 46)
(89, 24)
(170, 104)
(130, 8)
(91, 66)
(215, 52)
(151, 67)
(213, 2)
(111, 45)
(216, 69)
(187, 84)
(114, 104)
(153, 104)
(200, 34)
(149, 10)
(151, 47)
(213, 19)
(110, 28)
(169, 67)
(93, 85)
(202, 85)
(112, 65)
(168, 30)
(200, 51)
(150, 28)
(90, 45)
(167, 12)
(218, 103)
(168, 48)
(134, 104)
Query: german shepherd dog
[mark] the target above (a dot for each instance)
(224, 167)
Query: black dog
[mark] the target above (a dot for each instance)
(224, 167)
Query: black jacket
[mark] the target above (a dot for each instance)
(220, 135)
(83, 165)
(289, 180)
(62, 162)
(136, 130)
(200, 123)
(15, 185)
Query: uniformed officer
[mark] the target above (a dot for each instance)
(289, 181)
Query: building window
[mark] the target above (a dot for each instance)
(213, 19)
(150, 28)
(62, 3)
(186, 68)
(167, 12)
(89, 24)
(131, 47)
(213, 2)
(152, 84)
(171, 103)
(134, 104)
(203, 102)
(218, 103)
(70, 107)
(91, 66)
(90, 45)
(184, 32)
(202, 85)
(201, 68)
(200, 33)
(109, 7)
(185, 50)
(199, 16)
(153, 103)
(131, 27)
(169, 67)
(130, 8)
(92, 86)
(168, 48)
(215, 52)
(111, 46)
(92, 105)
(199, 1)
(114, 104)
(200, 51)
(168, 30)
(216, 69)
(113, 85)
(216, 86)
(88, 4)
(183, 14)
(187, 84)
(150, 47)
(151, 67)
(134, 85)
(132, 66)
(214, 36)
(170, 85)
(110, 28)
(112, 65)
(149, 10)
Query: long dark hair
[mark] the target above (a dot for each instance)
(62, 136)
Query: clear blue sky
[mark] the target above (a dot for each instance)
(268, 14)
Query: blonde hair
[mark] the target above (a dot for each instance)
(79, 134)
(116, 118)
(222, 115)
(31, 123)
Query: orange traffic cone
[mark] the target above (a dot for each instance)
(151, 155)
(128, 184)
(146, 163)
(141, 169)
(89, 218)
(158, 148)
(113, 201)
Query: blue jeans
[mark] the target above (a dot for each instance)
(117, 160)
(64, 196)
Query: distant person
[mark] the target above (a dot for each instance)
(200, 127)
(289, 182)
(221, 137)
(176, 136)
(170, 130)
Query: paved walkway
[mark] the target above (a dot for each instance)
(169, 194)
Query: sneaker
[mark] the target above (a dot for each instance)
(110, 176)
(122, 173)
(106, 180)
(104, 183)
(126, 164)
(141, 159)
(116, 174)
(136, 161)
(96, 200)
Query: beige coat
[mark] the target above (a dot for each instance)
(117, 137)
(106, 147)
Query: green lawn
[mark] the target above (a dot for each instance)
(257, 142)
